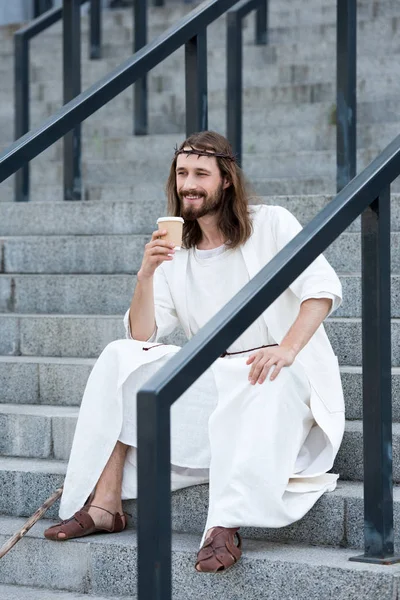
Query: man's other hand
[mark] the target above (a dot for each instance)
(266, 359)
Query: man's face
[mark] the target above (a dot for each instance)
(199, 184)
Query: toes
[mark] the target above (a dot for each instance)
(61, 535)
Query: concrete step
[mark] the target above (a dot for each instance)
(22, 592)
(276, 165)
(310, 185)
(95, 294)
(257, 68)
(46, 432)
(256, 96)
(115, 192)
(56, 381)
(61, 382)
(112, 192)
(283, 32)
(315, 115)
(37, 431)
(281, 46)
(295, 65)
(106, 565)
(129, 217)
(85, 336)
(119, 254)
(277, 139)
(336, 519)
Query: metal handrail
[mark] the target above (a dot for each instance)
(184, 32)
(346, 92)
(367, 194)
(22, 38)
(234, 68)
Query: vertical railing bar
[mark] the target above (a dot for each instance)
(140, 117)
(154, 498)
(196, 83)
(377, 393)
(21, 99)
(95, 30)
(261, 37)
(234, 76)
(72, 87)
(346, 92)
(377, 408)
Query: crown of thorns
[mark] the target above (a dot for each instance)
(198, 153)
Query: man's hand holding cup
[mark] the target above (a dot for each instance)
(162, 246)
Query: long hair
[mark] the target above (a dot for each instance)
(233, 215)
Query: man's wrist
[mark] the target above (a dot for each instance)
(293, 348)
(143, 278)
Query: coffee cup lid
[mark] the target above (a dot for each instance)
(162, 219)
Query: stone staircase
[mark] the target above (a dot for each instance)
(68, 273)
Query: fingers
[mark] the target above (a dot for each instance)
(158, 249)
(261, 366)
(156, 252)
(158, 242)
(158, 234)
(256, 368)
(277, 368)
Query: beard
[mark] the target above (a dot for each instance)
(210, 206)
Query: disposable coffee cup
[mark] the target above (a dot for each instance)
(174, 228)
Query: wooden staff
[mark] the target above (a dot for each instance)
(30, 522)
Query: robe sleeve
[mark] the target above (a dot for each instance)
(319, 280)
(165, 312)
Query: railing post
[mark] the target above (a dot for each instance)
(21, 95)
(377, 397)
(262, 24)
(140, 117)
(234, 53)
(72, 87)
(95, 29)
(196, 83)
(346, 92)
(41, 6)
(154, 498)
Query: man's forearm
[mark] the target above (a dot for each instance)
(141, 313)
(312, 313)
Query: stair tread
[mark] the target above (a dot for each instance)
(185, 542)
(19, 592)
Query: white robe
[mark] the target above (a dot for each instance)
(315, 415)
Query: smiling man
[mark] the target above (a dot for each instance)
(264, 423)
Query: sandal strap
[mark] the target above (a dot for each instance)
(220, 550)
(87, 506)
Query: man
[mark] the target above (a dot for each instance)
(264, 423)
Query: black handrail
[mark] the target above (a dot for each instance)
(22, 38)
(140, 116)
(80, 108)
(346, 92)
(368, 192)
(234, 57)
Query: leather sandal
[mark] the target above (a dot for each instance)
(219, 551)
(81, 524)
